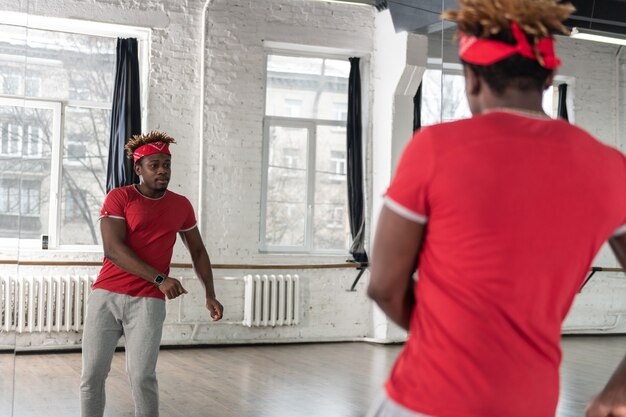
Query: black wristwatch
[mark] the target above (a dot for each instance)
(158, 280)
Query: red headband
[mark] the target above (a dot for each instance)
(151, 149)
(488, 51)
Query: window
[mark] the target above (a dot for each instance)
(340, 111)
(444, 100)
(304, 202)
(11, 138)
(54, 151)
(338, 161)
(33, 141)
(292, 107)
(20, 203)
(76, 147)
(74, 206)
(11, 84)
(32, 86)
(443, 97)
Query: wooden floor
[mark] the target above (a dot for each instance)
(310, 380)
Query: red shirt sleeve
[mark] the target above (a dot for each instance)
(622, 228)
(408, 193)
(190, 217)
(114, 204)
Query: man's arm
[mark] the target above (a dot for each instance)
(394, 257)
(202, 266)
(611, 402)
(115, 250)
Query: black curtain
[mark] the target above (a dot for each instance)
(562, 110)
(417, 109)
(355, 165)
(125, 115)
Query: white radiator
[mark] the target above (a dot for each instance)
(44, 304)
(271, 300)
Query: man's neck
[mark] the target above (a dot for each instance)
(523, 101)
(147, 192)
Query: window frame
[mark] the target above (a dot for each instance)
(311, 125)
(56, 154)
(302, 51)
(79, 27)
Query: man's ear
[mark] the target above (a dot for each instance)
(473, 83)
(138, 169)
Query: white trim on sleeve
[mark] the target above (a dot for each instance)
(111, 217)
(405, 212)
(620, 231)
(191, 228)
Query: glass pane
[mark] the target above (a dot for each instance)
(431, 97)
(60, 65)
(286, 207)
(83, 185)
(454, 102)
(285, 223)
(70, 66)
(331, 229)
(313, 88)
(25, 149)
(288, 147)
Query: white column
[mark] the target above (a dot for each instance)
(399, 61)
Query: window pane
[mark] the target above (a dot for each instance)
(431, 97)
(313, 88)
(59, 65)
(288, 147)
(330, 223)
(454, 103)
(443, 99)
(285, 222)
(25, 150)
(286, 207)
(83, 185)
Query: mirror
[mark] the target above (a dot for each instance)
(63, 118)
(13, 34)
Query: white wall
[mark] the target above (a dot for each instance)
(600, 109)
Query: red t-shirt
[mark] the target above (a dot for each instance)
(151, 227)
(516, 209)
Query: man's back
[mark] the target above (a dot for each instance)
(516, 208)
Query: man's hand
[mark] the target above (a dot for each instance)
(215, 308)
(607, 405)
(172, 288)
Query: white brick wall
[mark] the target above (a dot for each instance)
(235, 101)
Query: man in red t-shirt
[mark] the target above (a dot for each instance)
(139, 224)
(503, 213)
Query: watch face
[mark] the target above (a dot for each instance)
(159, 279)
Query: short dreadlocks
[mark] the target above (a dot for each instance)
(491, 19)
(139, 140)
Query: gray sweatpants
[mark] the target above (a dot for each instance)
(140, 320)
(385, 407)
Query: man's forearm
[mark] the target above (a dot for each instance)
(202, 267)
(125, 258)
(398, 307)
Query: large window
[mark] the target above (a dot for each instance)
(55, 111)
(304, 204)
